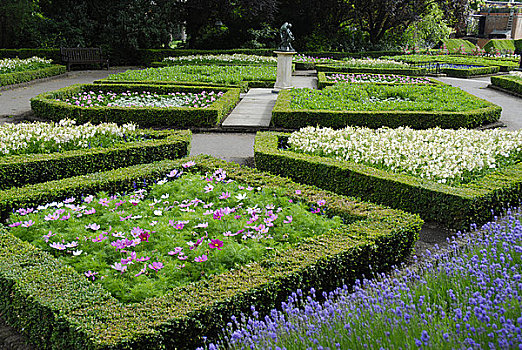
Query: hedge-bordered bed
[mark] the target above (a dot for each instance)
(25, 76)
(469, 72)
(56, 307)
(284, 116)
(45, 106)
(323, 82)
(455, 207)
(26, 169)
(510, 83)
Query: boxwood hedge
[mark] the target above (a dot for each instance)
(25, 169)
(454, 207)
(25, 76)
(45, 106)
(284, 116)
(56, 307)
(510, 83)
(469, 72)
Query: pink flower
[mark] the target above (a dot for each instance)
(201, 258)
(104, 202)
(297, 191)
(94, 227)
(27, 223)
(142, 271)
(143, 258)
(215, 243)
(57, 245)
(321, 202)
(119, 267)
(188, 164)
(224, 195)
(91, 274)
(156, 266)
(288, 219)
(15, 224)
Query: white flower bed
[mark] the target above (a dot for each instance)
(516, 74)
(15, 64)
(441, 155)
(373, 62)
(21, 138)
(237, 57)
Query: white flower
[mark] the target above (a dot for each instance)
(158, 212)
(241, 196)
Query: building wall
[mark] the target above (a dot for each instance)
(498, 21)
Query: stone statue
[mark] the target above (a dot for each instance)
(286, 38)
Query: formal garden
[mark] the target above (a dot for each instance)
(115, 235)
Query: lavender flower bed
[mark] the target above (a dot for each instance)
(467, 297)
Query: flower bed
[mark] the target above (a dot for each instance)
(15, 71)
(463, 298)
(304, 62)
(61, 104)
(40, 152)
(235, 76)
(455, 206)
(371, 105)
(328, 79)
(222, 59)
(81, 314)
(511, 83)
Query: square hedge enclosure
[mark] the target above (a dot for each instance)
(53, 106)
(453, 206)
(57, 307)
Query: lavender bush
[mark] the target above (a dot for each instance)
(467, 297)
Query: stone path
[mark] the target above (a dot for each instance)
(15, 103)
(511, 105)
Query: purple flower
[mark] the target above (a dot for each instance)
(188, 164)
(288, 220)
(94, 227)
(27, 223)
(201, 258)
(57, 245)
(156, 266)
(215, 243)
(119, 267)
(91, 274)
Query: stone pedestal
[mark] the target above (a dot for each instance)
(284, 70)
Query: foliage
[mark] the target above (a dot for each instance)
(232, 59)
(504, 64)
(28, 75)
(503, 46)
(511, 83)
(450, 301)
(428, 31)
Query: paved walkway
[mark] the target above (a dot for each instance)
(16, 102)
(511, 105)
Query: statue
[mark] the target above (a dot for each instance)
(286, 38)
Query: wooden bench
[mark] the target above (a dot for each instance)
(81, 55)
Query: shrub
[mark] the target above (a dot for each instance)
(55, 307)
(500, 45)
(46, 106)
(455, 207)
(25, 76)
(511, 83)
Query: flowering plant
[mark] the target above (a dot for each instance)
(372, 63)
(10, 65)
(39, 137)
(142, 99)
(375, 78)
(310, 59)
(182, 229)
(442, 155)
(235, 58)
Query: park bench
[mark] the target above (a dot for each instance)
(81, 55)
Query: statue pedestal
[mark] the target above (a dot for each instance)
(284, 70)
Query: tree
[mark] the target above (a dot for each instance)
(379, 17)
(456, 12)
(15, 17)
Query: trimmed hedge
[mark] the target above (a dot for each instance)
(413, 71)
(243, 86)
(322, 82)
(455, 207)
(284, 116)
(50, 54)
(469, 72)
(215, 63)
(500, 45)
(57, 308)
(455, 45)
(28, 75)
(510, 83)
(506, 64)
(45, 106)
(20, 170)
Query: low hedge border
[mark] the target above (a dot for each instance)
(243, 85)
(285, 117)
(45, 106)
(509, 83)
(454, 207)
(20, 170)
(56, 307)
(322, 82)
(217, 63)
(470, 72)
(25, 76)
(413, 71)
